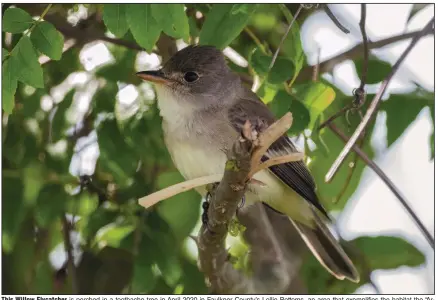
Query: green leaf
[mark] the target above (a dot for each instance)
(221, 26)
(282, 103)
(114, 235)
(24, 64)
(50, 204)
(144, 278)
(115, 271)
(377, 70)
(432, 135)
(16, 20)
(316, 96)
(181, 212)
(59, 122)
(48, 40)
(402, 109)
(388, 252)
(12, 212)
(55, 72)
(5, 54)
(116, 156)
(282, 70)
(9, 86)
(114, 17)
(172, 19)
(143, 26)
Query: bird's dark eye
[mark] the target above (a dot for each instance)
(191, 76)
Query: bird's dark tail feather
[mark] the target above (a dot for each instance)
(327, 250)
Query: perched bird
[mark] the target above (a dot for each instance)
(204, 105)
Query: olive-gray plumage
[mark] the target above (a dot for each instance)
(204, 106)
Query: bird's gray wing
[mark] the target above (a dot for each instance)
(294, 174)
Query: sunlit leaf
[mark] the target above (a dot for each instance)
(221, 26)
(316, 96)
(16, 20)
(114, 16)
(48, 40)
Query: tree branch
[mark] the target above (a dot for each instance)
(371, 109)
(355, 52)
(221, 277)
(71, 268)
(334, 19)
(388, 182)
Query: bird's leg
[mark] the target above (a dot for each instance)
(205, 206)
(206, 203)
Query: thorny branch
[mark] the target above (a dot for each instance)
(220, 274)
(388, 182)
(374, 103)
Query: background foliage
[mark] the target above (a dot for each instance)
(115, 246)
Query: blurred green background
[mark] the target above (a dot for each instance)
(82, 141)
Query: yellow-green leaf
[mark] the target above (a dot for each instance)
(316, 96)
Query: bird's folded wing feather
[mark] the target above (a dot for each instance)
(294, 174)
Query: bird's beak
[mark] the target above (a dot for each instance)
(154, 76)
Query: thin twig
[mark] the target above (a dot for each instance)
(389, 183)
(316, 67)
(334, 19)
(335, 116)
(374, 104)
(359, 93)
(71, 268)
(283, 39)
(363, 15)
(353, 53)
(351, 171)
